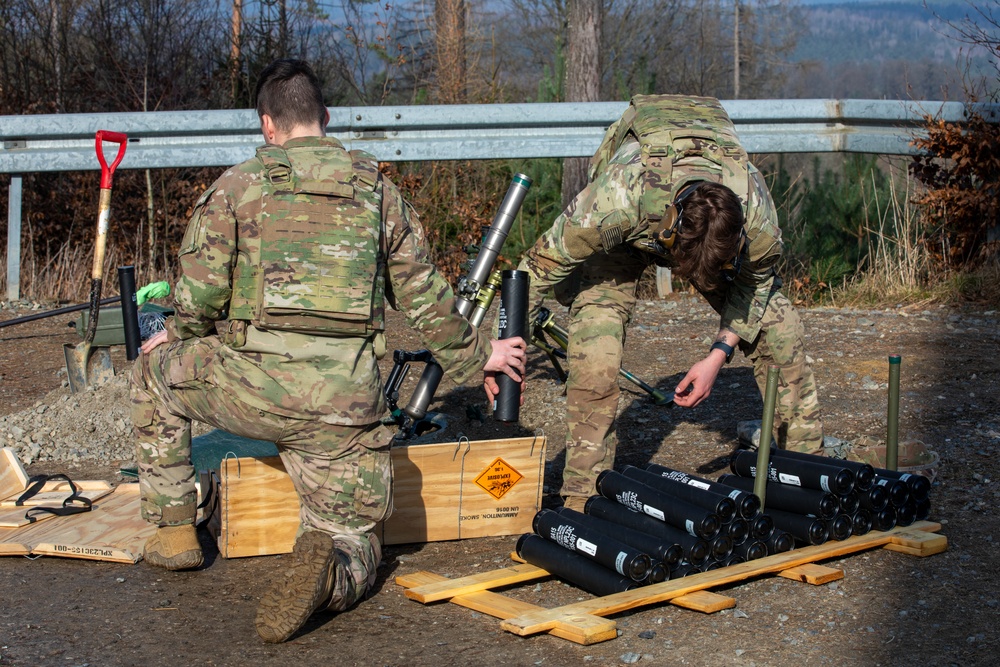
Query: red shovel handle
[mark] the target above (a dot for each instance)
(107, 172)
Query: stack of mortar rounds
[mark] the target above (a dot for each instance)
(817, 498)
(645, 526)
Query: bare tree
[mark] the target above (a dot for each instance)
(449, 20)
(583, 77)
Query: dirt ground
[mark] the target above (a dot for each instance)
(889, 609)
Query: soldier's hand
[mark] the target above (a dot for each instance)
(508, 358)
(697, 384)
(153, 341)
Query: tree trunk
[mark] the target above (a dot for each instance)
(449, 18)
(583, 78)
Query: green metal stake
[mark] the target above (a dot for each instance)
(892, 420)
(766, 427)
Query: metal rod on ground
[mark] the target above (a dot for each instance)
(766, 426)
(58, 311)
(892, 420)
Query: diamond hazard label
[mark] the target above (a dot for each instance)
(499, 478)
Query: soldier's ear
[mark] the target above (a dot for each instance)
(268, 128)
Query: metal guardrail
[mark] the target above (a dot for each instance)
(65, 142)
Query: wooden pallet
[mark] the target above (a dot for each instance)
(585, 623)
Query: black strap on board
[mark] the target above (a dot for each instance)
(35, 484)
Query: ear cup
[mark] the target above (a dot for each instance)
(667, 233)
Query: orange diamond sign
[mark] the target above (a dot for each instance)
(498, 478)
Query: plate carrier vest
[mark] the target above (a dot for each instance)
(317, 262)
(670, 128)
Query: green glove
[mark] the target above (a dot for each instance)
(152, 291)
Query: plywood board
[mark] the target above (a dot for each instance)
(13, 478)
(112, 531)
(54, 493)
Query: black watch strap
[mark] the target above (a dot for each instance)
(728, 349)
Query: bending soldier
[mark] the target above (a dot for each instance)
(290, 257)
(670, 185)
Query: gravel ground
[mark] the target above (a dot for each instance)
(889, 609)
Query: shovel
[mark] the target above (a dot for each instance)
(82, 367)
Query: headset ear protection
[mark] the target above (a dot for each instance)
(732, 268)
(673, 217)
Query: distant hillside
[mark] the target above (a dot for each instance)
(880, 50)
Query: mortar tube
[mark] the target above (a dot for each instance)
(766, 426)
(892, 419)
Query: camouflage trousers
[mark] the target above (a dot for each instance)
(601, 312)
(781, 343)
(342, 474)
(603, 296)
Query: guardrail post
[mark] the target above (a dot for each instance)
(14, 238)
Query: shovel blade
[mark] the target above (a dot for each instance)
(87, 366)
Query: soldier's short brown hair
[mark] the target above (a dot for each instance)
(289, 92)
(708, 237)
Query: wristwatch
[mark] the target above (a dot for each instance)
(728, 349)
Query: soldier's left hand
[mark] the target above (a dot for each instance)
(508, 358)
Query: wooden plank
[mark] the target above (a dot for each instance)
(704, 601)
(474, 583)
(811, 573)
(502, 607)
(113, 531)
(541, 621)
(15, 517)
(917, 542)
(13, 478)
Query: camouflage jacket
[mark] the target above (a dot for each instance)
(331, 378)
(615, 195)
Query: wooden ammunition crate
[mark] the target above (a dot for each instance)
(446, 491)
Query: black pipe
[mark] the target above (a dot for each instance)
(130, 312)
(920, 486)
(804, 528)
(751, 550)
(586, 541)
(897, 489)
(719, 504)
(874, 499)
(761, 527)
(795, 472)
(864, 474)
(695, 520)
(850, 502)
(658, 549)
(791, 498)
(571, 566)
(738, 530)
(841, 527)
(694, 549)
(747, 504)
(779, 542)
(513, 323)
(862, 522)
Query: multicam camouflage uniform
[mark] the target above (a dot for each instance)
(597, 249)
(317, 396)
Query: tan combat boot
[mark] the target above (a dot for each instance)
(174, 548)
(304, 587)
